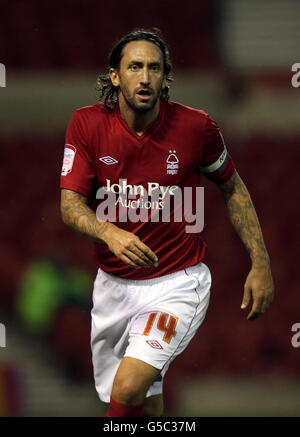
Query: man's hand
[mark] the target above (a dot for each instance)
(259, 283)
(125, 245)
(259, 286)
(128, 247)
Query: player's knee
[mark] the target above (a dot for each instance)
(129, 392)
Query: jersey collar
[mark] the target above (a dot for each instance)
(153, 127)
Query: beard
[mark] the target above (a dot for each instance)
(140, 106)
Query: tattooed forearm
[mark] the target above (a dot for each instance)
(79, 216)
(244, 219)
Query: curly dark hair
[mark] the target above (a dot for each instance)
(106, 91)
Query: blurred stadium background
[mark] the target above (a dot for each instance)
(233, 59)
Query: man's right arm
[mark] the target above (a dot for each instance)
(125, 245)
(79, 216)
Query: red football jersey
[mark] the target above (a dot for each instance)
(101, 150)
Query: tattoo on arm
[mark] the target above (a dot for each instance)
(79, 216)
(243, 218)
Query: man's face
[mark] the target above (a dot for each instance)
(140, 75)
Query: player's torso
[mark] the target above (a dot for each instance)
(167, 154)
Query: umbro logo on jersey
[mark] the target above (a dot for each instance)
(154, 344)
(108, 160)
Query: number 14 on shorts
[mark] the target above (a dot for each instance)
(165, 323)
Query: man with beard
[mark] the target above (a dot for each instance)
(152, 288)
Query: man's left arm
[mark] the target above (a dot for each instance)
(259, 282)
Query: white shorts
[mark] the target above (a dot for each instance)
(151, 320)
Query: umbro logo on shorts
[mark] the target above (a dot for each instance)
(154, 344)
(108, 160)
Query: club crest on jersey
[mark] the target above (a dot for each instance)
(172, 162)
(69, 155)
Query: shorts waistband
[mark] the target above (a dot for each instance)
(144, 281)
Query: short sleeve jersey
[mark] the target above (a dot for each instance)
(102, 152)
